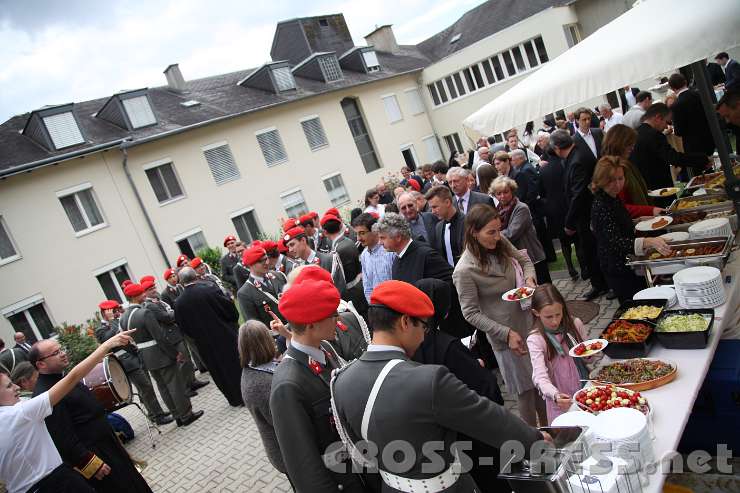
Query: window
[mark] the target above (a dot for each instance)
(110, 278)
(191, 243)
(432, 147)
(314, 132)
(531, 57)
(541, 51)
(284, 80)
(371, 61)
(272, 146)
(361, 135)
(489, 72)
(441, 91)
(409, 156)
(415, 102)
(509, 63)
(139, 111)
(391, 108)
(331, 69)
(459, 83)
(63, 130)
(478, 77)
(451, 87)
(8, 252)
(221, 162)
(469, 78)
(30, 317)
(81, 209)
(245, 223)
(497, 67)
(518, 59)
(433, 93)
(164, 182)
(294, 203)
(572, 35)
(335, 188)
(453, 142)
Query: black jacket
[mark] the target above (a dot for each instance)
(579, 168)
(732, 75)
(228, 262)
(474, 198)
(526, 179)
(457, 235)
(552, 194)
(614, 233)
(690, 123)
(587, 155)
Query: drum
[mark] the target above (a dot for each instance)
(109, 383)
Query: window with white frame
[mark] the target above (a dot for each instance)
(335, 188)
(415, 102)
(31, 318)
(8, 251)
(432, 147)
(191, 243)
(371, 60)
(272, 146)
(111, 277)
(246, 225)
(221, 163)
(409, 156)
(392, 110)
(572, 34)
(314, 133)
(81, 208)
(454, 144)
(139, 111)
(294, 203)
(63, 130)
(164, 181)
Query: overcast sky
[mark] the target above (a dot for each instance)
(60, 51)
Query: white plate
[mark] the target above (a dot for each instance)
(657, 293)
(675, 236)
(603, 342)
(694, 276)
(512, 291)
(669, 191)
(575, 418)
(648, 224)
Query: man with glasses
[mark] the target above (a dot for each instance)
(79, 428)
(421, 223)
(262, 289)
(297, 243)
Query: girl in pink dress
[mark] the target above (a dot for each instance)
(554, 372)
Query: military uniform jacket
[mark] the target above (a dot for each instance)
(127, 355)
(170, 294)
(228, 262)
(350, 258)
(157, 352)
(241, 274)
(417, 404)
(285, 264)
(253, 295)
(353, 334)
(301, 413)
(331, 263)
(165, 315)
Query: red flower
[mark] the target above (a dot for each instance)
(315, 366)
(342, 326)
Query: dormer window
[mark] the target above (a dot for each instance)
(371, 61)
(274, 77)
(129, 110)
(139, 111)
(284, 80)
(323, 67)
(330, 68)
(54, 127)
(360, 59)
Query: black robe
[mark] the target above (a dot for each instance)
(79, 429)
(204, 313)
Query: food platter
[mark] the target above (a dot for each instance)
(664, 371)
(653, 224)
(588, 348)
(702, 203)
(610, 397)
(518, 294)
(663, 192)
(716, 247)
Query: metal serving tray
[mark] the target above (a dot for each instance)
(706, 178)
(726, 202)
(725, 242)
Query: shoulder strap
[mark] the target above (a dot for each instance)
(374, 394)
(128, 320)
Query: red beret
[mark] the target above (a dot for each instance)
(182, 260)
(281, 246)
(293, 233)
(146, 278)
(332, 212)
(168, 273)
(229, 238)
(290, 223)
(196, 262)
(252, 255)
(314, 273)
(149, 283)
(133, 290)
(310, 301)
(402, 297)
(329, 217)
(269, 245)
(306, 219)
(126, 283)
(256, 243)
(415, 185)
(313, 214)
(108, 305)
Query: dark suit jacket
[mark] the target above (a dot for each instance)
(716, 74)
(579, 168)
(552, 194)
(228, 262)
(690, 123)
(653, 155)
(457, 236)
(430, 221)
(170, 294)
(732, 75)
(526, 179)
(588, 155)
(475, 198)
(350, 258)
(253, 298)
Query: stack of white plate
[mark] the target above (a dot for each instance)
(658, 293)
(699, 287)
(718, 226)
(623, 432)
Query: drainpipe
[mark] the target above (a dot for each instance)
(141, 203)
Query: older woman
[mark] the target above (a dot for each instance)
(486, 270)
(372, 202)
(614, 231)
(619, 141)
(517, 225)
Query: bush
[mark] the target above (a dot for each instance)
(211, 256)
(78, 340)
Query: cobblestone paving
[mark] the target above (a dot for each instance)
(222, 451)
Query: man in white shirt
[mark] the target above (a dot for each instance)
(465, 198)
(632, 117)
(610, 118)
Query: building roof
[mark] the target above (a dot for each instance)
(482, 21)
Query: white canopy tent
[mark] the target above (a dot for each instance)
(653, 37)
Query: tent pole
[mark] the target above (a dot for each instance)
(705, 89)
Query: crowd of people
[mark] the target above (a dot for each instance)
(352, 328)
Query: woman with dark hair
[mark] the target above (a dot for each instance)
(529, 138)
(372, 202)
(486, 175)
(613, 229)
(490, 266)
(619, 141)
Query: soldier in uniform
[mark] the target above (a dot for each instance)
(412, 403)
(299, 398)
(228, 261)
(241, 273)
(182, 261)
(204, 274)
(169, 294)
(158, 355)
(165, 315)
(263, 288)
(313, 234)
(297, 243)
(279, 259)
(129, 357)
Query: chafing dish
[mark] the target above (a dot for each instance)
(682, 220)
(724, 244)
(707, 203)
(711, 180)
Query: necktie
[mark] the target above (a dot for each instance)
(461, 204)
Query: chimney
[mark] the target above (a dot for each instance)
(175, 81)
(383, 39)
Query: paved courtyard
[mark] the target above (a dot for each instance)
(222, 451)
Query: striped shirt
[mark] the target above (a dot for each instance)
(377, 266)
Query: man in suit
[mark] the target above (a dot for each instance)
(450, 228)
(297, 243)
(241, 272)
(228, 261)
(313, 232)
(587, 139)
(262, 289)
(300, 401)
(384, 397)
(689, 121)
(578, 172)
(158, 355)
(422, 223)
(465, 198)
(21, 344)
(350, 259)
(731, 69)
(169, 295)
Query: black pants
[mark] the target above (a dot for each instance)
(63, 479)
(590, 257)
(626, 285)
(543, 272)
